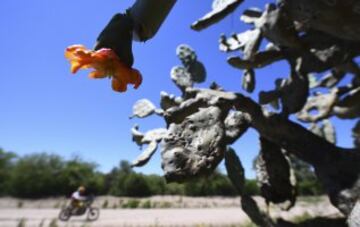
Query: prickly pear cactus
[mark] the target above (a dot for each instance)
(167, 101)
(199, 125)
(354, 218)
(329, 131)
(220, 9)
(248, 80)
(321, 47)
(191, 66)
(235, 170)
(152, 138)
(236, 124)
(356, 134)
(274, 173)
(143, 108)
(195, 146)
(186, 54)
(181, 77)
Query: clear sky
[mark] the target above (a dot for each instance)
(45, 108)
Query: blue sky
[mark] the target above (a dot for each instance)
(45, 108)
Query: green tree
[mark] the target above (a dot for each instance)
(36, 175)
(77, 172)
(43, 175)
(6, 165)
(156, 184)
(307, 183)
(135, 185)
(215, 184)
(114, 181)
(174, 189)
(251, 187)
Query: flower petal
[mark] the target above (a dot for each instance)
(105, 62)
(70, 51)
(136, 78)
(118, 85)
(75, 66)
(97, 74)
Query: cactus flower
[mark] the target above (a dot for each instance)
(105, 63)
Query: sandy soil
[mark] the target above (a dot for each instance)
(218, 212)
(137, 217)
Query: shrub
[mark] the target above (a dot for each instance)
(251, 187)
(105, 204)
(135, 185)
(20, 204)
(132, 204)
(21, 223)
(53, 223)
(146, 204)
(54, 176)
(165, 205)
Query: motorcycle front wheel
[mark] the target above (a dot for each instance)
(93, 214)
(65, 214)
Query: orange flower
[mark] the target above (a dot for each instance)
(105, 64)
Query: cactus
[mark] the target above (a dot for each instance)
(236, 174)
(195, 146)
(197, 72)
(323, 103)
(167, 101)
(146, 155)
(236, 124)
(274, 174)
(186, 54)
(193, 70)
(181, 77)
(143, 108)
(152, 138)
(354, 217)
(235, 170)
(356, 134)
(220, 9)
(329, 131)
(248, 80)
(320, 46)
(247, 41)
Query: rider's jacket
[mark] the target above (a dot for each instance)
(76, 196)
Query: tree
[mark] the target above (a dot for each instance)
(43, 175)
(115, 180)
(77, 172)
(215, 184)
(36, 175)
(306, 178)
(135, 185)
(6, 165)
(156, 184)
(320, 46)
(123, 181)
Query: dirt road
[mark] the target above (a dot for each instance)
(179, 211)
(127, 217)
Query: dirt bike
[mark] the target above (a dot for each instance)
(93, 213)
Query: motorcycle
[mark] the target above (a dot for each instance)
(93, 213)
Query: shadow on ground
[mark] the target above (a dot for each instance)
(316, 222)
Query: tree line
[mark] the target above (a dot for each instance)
(42, 175)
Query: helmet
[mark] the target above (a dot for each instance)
(81, 189)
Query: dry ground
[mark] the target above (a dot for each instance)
(176, 211)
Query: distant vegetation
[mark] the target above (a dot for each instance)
(44, 175)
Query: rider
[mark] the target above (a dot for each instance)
(78, 197)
